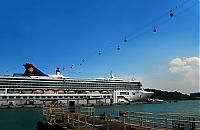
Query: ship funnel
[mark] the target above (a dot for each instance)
(57, 71)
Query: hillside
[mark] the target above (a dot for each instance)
(165, 95)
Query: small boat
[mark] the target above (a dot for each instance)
(13, 91)
(27, 91)
(60, 91)
(156, 100)
(104, 92)
(96, 92)
(49, 92)
(38, 91)
(70, 92)
(86, 92)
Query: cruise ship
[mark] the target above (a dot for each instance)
(33, 85)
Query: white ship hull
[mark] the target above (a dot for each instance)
(35, 85)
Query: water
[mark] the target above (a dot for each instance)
(185, 107)
(20, 119)
(26, 119)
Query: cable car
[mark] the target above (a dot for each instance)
(118, 48)
(171, 14)
(154, 29)
(125, 40)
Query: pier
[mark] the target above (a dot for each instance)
(84, 118)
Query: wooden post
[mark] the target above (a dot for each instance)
(165, 116)
(68, 117)
(107, 125)
(141, 121)
(85, 122)
(78, 121)
(124, 122)
(73, 119)
(93, 123)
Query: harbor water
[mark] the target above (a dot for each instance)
(27, 118)
(183, 107)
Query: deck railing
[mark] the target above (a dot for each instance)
(129, 120)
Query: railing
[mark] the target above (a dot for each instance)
(126, 120)
(167, 121)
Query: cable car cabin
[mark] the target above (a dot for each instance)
(118, 48)
(154, 29)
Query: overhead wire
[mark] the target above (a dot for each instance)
(152, 25)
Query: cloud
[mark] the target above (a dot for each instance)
(185, 67)
(186, 73)
(180, 74)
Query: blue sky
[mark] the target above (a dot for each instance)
(53, 34)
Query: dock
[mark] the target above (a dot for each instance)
(84, 118)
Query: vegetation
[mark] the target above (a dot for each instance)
(165, 95)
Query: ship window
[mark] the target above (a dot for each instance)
(133, 93)
(60, 96)
(4, 97)
(24, 97)
(70, 96)
(81, 96)
(104, 96)
(124, 93)
(18, 97)
(37, 97)
(65, 96)
(43, 96)
(31, 97)
(95, 96)
(48, 96)
(76, 96)
(54, 96)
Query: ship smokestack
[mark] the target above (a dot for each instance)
(57, 71)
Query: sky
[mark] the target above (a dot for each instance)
(63, 33)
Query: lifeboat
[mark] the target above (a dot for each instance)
(60, 91)
(13, 91)
(104, 92)
(27, 91)
(71, 92)
(86, 92)
(38, 91)
(49, 92)
(96, 92)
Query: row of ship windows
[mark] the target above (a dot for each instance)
(65, 83)
(96, 85)
(82, 85)
(47, 97)
(127, 93)
(71, 87)
(58, 81)
(49, 84)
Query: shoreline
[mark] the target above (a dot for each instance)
(83, 105)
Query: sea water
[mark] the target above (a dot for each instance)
(184, 107)
(20, 118)
(26, 119)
